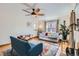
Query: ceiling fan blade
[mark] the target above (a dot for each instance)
(37, 10)
(27, 14)
(26, 11)
(40, 14)
(28, 5)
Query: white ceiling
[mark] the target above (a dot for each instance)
(51, 10)
(54, 10)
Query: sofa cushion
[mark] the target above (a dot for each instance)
(49, 35)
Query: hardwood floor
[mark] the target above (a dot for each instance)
(4, 48)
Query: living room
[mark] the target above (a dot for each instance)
(39, 23)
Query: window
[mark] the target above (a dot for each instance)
(51, 26)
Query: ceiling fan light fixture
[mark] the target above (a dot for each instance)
(33, 13)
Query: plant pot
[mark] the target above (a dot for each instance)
(70, 51)
(64, 38)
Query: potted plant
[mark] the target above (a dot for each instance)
(64, 31)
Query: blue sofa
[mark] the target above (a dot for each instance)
(23, 48)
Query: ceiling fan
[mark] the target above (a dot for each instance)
(34, 11)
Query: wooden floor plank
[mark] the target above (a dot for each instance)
(4, 48)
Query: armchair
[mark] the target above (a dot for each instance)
(24, 48)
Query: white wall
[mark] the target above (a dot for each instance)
(13, 22)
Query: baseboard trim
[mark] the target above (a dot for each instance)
(5, 44)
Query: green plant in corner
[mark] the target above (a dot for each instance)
(64, 31)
